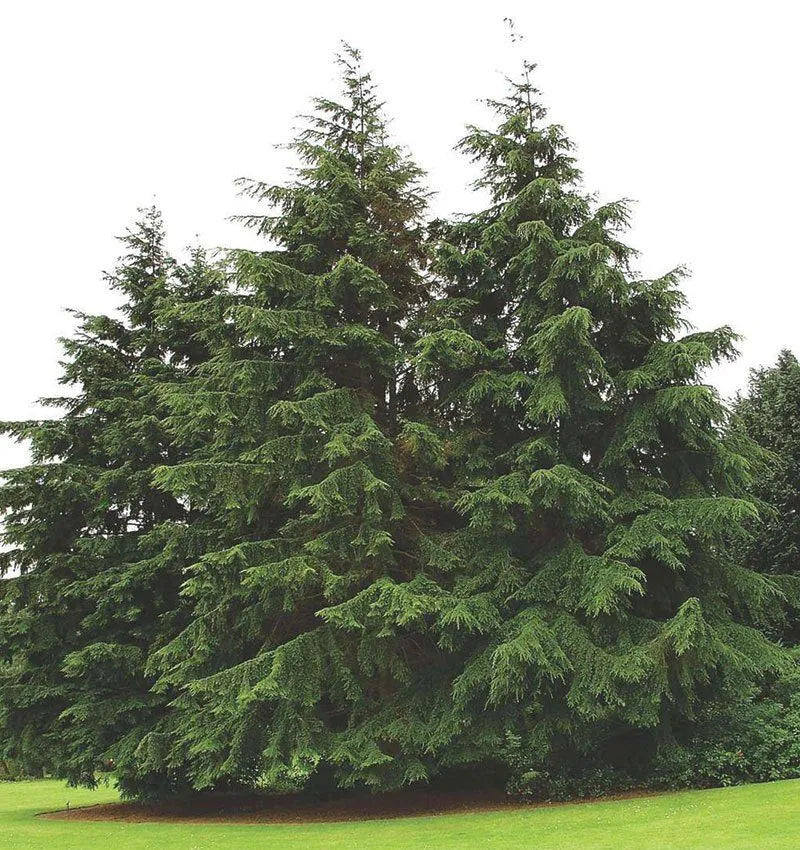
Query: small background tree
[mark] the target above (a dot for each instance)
(769, 414)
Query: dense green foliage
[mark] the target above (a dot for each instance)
(602, 499)
(385, 500)
(98, 549)
(755, 740)
(752, 738)
(769, 414)
(311, 464)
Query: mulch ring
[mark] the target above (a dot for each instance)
(272, 809)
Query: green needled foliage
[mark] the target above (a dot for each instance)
(511, 515)
(97, 550)
(601, 498)
(318, 470)
(433, 497)
(769, 414)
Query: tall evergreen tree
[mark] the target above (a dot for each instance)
(313, 465)
(602, 498)
(97, 550)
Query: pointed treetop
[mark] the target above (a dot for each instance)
(523, 147)
(350, 177)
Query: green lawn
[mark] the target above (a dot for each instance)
(753, 817)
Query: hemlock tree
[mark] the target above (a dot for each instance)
(769, 414)
(97, 549)
(316, 470)
(603, 506)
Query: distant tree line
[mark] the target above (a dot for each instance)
(399, 500)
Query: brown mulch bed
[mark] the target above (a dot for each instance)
(268, 809)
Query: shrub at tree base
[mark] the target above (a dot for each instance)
(753, 740)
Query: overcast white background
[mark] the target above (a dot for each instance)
(688, 107)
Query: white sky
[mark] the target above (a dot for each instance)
(688, 107)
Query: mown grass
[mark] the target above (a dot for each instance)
(753, 817)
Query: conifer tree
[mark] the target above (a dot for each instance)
(769, 414)
(97, 550)
(313, 466)
(602, 498)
